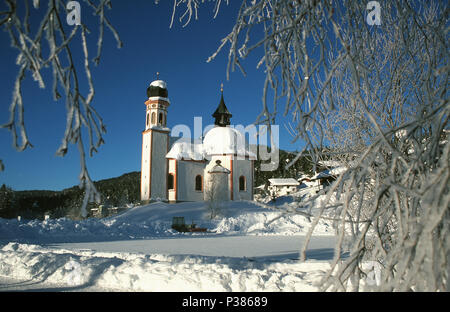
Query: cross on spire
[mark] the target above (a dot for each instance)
(157, 75)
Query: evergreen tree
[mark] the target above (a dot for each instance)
(6, 202)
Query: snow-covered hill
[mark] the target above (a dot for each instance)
(154, 220)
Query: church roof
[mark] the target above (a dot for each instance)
(225, 140)
(158, 88)
(222, 108)
(217, 141)
(222, 114)
(184, 148)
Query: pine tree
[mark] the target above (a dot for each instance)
(6, 202)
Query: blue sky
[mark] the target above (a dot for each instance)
(178, 54)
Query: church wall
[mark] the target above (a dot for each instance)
(145, 166)
(242, 168)
(225, 161)
(239, 167)
(159, 165)
(186, 173)
(217, 187)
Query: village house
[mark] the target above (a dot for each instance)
(282, 186)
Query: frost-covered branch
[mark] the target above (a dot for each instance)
(376, 98)
(191, 9)
(67, 72)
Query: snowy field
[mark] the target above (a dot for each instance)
(250, 247)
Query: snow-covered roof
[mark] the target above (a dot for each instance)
(321, 175)
(159, 83)
(303, 177)
(225, 140)
(218, 141)
(330, 163)
(156, 89)
(157, 127)
(329, 173)
(184, 148)
(280, 182)
(338, 170)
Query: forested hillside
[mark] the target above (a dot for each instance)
(36, 203)
(116, 192)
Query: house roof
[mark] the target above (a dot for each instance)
(281, 182)
(333, 172)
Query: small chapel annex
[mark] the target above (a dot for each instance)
(217, 167)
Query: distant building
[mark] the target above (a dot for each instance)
(282, 186)
(323, 178)
(193, 170)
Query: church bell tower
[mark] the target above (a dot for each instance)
(155, 143)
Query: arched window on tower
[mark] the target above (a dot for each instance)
(160, 119)
(153, 118)
(199, 183)
(148, 117)
(242, 186)
(170, 180)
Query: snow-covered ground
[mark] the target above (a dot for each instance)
(154, 220)
(75, 269)
(250, 247)
(253, 247)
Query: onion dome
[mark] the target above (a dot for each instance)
(224, 140)
(158, 88)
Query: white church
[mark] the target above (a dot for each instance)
(219, 167)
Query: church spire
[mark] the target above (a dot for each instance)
(222, 115)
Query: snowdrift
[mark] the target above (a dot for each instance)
(76, 270)
(154, 220)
